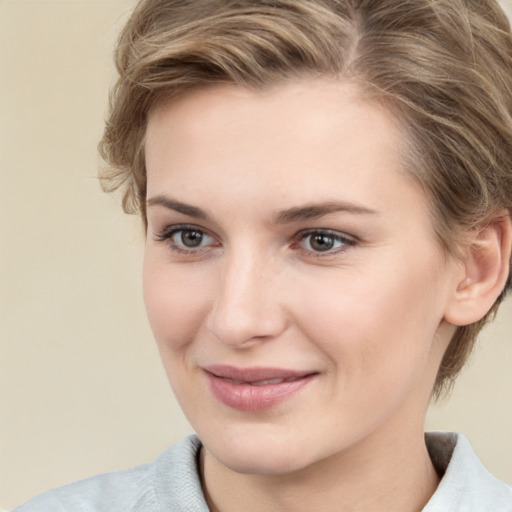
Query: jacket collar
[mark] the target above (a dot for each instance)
(466, 486)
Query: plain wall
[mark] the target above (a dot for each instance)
(82, 390)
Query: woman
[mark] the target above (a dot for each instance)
(326, 189)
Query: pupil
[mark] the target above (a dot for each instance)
(191, 238)
(322, 242)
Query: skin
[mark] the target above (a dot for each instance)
(368, 316)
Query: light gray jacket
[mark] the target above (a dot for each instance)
(171, 484)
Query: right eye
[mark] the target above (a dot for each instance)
(186, 239)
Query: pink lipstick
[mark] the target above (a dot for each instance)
(255, 389)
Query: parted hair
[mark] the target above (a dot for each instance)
(442, 67)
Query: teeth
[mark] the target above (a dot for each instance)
(265, 382)
(291, 379)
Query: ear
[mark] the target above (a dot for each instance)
(484, 271)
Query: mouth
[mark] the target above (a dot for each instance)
(255, 389)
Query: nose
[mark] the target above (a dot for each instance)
(247, 308)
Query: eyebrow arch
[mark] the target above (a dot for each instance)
(295, 214)
(315, 211)
(171, 204)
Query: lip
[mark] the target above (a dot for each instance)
(255, 389)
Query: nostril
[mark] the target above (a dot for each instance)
(239, 330)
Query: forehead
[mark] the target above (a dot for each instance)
(309, 138)
(316, 111)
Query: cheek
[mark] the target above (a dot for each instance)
(374, 323)
(176, 303)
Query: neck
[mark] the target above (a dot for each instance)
(395, 476)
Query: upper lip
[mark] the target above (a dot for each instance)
(255, 374)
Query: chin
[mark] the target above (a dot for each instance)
(270, 463)
(260, 454)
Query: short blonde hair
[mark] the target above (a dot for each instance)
(443, 67)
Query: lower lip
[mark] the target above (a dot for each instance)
(250, 398)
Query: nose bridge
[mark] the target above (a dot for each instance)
(246, 308)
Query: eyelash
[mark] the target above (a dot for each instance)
(167, 234)
(344, 241)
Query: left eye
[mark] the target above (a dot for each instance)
(323, 241)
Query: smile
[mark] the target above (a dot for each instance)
(255, 389)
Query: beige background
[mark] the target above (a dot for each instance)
(81, 388)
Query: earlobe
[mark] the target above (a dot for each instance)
(485, 269)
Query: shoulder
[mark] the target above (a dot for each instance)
(120, 490)
(466, 484)
(170, 482)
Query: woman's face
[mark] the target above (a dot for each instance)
(292, 277)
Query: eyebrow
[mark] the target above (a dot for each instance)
(171, 204)
(294, 214)
(315, 211)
